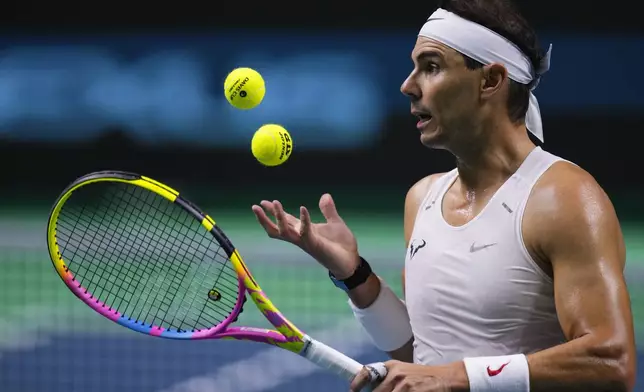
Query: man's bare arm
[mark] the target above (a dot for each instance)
(573, 225)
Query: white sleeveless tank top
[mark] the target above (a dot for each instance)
(474, 290)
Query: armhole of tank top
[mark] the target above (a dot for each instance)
(518, 226)
(435, 187)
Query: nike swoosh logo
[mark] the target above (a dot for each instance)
(475, 248)
(496, 372)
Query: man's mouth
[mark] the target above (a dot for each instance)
(423, 118)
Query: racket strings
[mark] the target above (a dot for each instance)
(145, 257)
(139, 316)
(175, 224)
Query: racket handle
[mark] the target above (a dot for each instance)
(333, 360)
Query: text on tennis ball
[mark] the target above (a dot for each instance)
(237, 87)
(286, 145)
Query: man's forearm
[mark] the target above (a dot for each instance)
(585, 364)
(363, 296)
(405, 353)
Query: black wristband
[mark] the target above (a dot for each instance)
(359, 276)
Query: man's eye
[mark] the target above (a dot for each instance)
(431, 67)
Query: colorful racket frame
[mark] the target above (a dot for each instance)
(285, 335)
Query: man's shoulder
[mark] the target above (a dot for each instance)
(415, 196)
(566, 182)
(420, 188)
(566, 200)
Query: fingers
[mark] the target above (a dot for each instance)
(286, 227)
(327, 206)
(268, 206)
(266, 222)
(370, 377)
(360, 381)
(305, 222)
(280, 217)
(378, 376)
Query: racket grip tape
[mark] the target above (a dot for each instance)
(335, 361)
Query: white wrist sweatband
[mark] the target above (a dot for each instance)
(386, 320)
(509, 373)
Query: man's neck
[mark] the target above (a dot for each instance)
(493, 160)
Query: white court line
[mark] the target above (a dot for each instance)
(272, 367)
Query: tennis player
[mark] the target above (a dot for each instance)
(515, 258)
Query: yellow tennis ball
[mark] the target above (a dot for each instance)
(271, 145)
(244, 88)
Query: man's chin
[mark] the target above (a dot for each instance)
(434, 140)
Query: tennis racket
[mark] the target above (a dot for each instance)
(139, 254)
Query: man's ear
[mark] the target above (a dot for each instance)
(493, 78)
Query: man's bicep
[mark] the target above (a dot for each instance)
(582, 240)
(587, 255)
(590, 293)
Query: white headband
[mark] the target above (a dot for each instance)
(487, 47)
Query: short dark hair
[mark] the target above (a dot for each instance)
(502, 17)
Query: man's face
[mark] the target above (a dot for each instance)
(444, 93)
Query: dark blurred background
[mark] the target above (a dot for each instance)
(139, 87)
